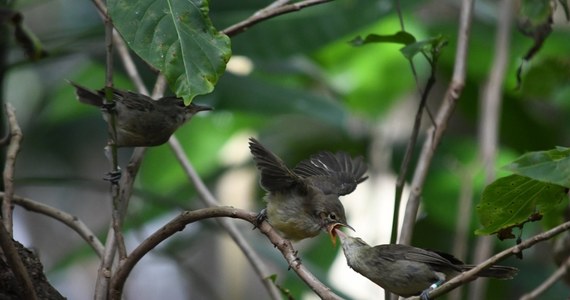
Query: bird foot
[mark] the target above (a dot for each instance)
(262, 216)
(425, 293)
(113, 177)
(108, 107)
(297, 260)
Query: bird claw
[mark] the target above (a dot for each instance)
(297, 260)
(113, 176)
(425, 295)
(108, 106)
(262, 216)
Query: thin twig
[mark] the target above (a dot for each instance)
(435, 133)
(550, 281)
(114, 238)
(489, 124)
(71, 221)
(265, 14)
(187, 217)
(10, 166)
(468, 276)
(6, 243)
(209, 200)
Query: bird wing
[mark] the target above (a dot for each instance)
(275, 175)
(336, 173)
(137, 102)
(438, 260)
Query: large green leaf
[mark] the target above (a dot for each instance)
(177, 38)
(552, 166)
(511, 201)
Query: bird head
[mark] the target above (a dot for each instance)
(332, 216)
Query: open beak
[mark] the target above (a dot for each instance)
(331, 229)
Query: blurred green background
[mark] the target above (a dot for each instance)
(298, 85)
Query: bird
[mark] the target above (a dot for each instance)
(140, 120)
(303, 201)
(406, 270)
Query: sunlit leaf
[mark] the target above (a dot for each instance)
(176, 37)
(552, 166)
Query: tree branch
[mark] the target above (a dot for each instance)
(71, 221)
(13, 259)
(466, 277)
(435, 133)
(9, 167)
(188, 217)
(268, 13)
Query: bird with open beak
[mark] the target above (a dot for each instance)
(304, 201)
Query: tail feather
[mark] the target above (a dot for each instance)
(87, 96)
(499, 272)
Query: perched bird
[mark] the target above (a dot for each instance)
(304, 201)
(140, 120)
(405, 270)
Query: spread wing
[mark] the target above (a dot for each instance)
(275, 175)
(336, 173)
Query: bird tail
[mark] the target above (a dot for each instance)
(87, 96)
(499, 272)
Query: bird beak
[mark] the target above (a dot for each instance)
(332, 228)
(197, 107)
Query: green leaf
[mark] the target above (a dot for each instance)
(400, 37)
(431, 45)
(176, 37)
(514, 200)
(552, 166)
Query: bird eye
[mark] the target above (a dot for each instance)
(332, 216)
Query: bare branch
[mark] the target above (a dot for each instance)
(268, 13)
(9, 167)
(71, 221)
(13, 259)
(434, 135)
(188, 217)
(466, 277)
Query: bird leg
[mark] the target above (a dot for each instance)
(262, 216)
(113, 176)
(297, 260)
(424, 295)
(108, 107)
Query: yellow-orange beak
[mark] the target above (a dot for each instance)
(331, 229)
